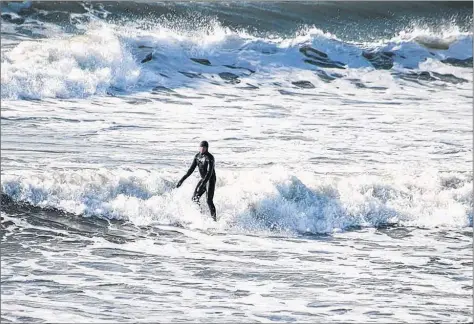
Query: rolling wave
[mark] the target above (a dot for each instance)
(254, 201)
(110, 58)
(76, 50)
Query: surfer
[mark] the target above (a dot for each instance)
(205, 163)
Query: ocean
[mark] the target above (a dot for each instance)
(342, 134)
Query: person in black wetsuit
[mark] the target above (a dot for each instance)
(205, 163)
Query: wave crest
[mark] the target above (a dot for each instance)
(251, 201)
(77, 66)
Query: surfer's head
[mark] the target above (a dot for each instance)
(203, 146)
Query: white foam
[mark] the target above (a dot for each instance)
(255, 200)
(68, 67)
(108, 57)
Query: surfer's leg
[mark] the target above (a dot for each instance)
(210, 196)
(198, 193)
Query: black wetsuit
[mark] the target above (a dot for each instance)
(205, 163)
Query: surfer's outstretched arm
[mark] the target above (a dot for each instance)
(190, 171)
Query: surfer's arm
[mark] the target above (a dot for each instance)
(190, 171)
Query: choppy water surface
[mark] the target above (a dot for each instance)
(343, 139)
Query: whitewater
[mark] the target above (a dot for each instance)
(342, 134)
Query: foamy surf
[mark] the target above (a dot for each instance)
(253, 201)
(109, 58)
(343, 143)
